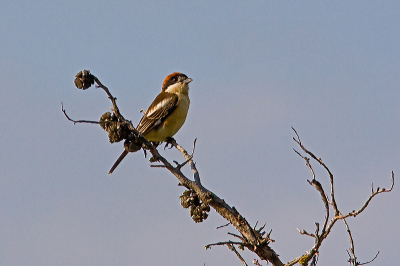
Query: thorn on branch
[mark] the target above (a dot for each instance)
(255, 262)
(179, 166)
(235, 235)
(261, 228)
(221, 226)
(268, 236)
(255, 225)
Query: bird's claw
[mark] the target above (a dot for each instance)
(169, 142)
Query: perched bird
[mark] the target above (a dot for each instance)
(166, 114)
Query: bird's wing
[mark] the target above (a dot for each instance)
(162, 106)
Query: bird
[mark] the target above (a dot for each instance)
(166, 114)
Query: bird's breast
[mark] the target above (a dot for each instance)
(172, 123)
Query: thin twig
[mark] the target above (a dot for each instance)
(77, 121)
(304, 232)
(179, 166)
(319, 188)
(235, 235)
(352, 250)
(222, 244)
(319, 160)
(188, 156)
(370, 260)
(378, 191)
(312, 254)
(157, 165)
(232, 247)
(112, 98)
(223, 226)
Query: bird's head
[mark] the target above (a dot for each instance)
(176, 83)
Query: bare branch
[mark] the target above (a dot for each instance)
(319, 188)
(200, 199)
(312, 254)
(157, 166)
(112, 98)
(223, 226)
(304, 232)
(232, 247)
(223, 243)
(235, 235)
(253, 240)
(256, 242)
(378, 191)
(189, 157)
(370, 260)
(319, 160)
(307, 163)
(76, 121)
(179, 166)
(351, 240)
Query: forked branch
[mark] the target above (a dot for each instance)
(199, 199)
(197, 196)
(321, 236)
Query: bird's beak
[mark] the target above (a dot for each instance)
(188, 80)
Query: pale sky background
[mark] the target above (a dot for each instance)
(329, 69)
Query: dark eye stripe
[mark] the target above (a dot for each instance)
(173, 78)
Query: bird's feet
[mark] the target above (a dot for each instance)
(169, 141)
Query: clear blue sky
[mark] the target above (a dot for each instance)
(329, 69)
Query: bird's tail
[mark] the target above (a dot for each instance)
(120, 158)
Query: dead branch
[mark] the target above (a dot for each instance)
(368, 262)
(200, 199)
(319, 160)
(76, 121)
(221, 226)
(232, 247)
(222, 244)
(252, 238)
(304, 232)
(320, 237)
(378, 191)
